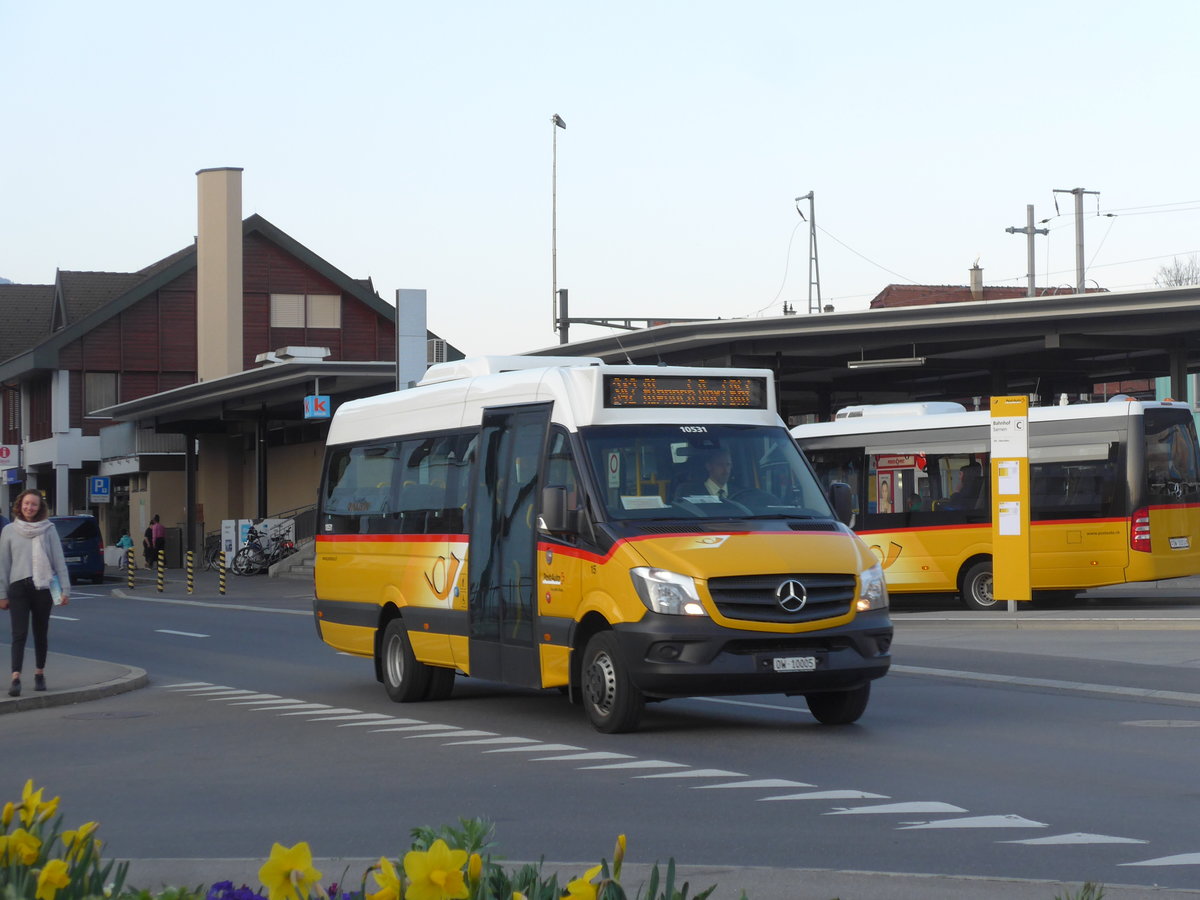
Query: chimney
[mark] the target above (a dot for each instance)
(219, 273)
(976, 282)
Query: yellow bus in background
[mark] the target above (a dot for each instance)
(1114, 493)
(558, 523)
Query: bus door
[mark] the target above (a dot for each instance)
(501, 556)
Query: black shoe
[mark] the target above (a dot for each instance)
(39, 682)
(15, 690)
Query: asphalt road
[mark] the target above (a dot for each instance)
(1063, 751)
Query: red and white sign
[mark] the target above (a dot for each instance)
(895, 462)
(8, 454)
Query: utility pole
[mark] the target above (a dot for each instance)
(1030, 231)
(814, 267)
(1078, 192)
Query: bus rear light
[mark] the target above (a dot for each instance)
(1139, 530)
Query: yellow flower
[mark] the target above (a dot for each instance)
(76, 841)
(435, 874)
(289, 872)
(517, 895)
(30, 801)
(474, 868)
(52, 877)
(47, 810)
(582, 888)
(387, 879)
(618, 855)
(22, 847)
(6, 817)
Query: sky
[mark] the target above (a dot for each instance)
(413, 143)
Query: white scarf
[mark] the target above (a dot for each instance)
(34, 531)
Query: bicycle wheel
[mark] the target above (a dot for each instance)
(249, 561)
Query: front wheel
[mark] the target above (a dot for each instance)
(613, 702)
(405, 678)
(977, 589)
(839, 707)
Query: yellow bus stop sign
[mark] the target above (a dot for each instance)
(1010, 499)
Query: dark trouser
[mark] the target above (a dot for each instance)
(25, 602)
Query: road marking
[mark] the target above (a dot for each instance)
(424, 726)
(1181, 859)
(696, 773)
(384, 720)
(915, 806)
(1008, 821)
(1052, 683)
(534, 747)
(599, 754)
(1077, 838)
(641, 764)
(452, 731)
(505, 740)
(756, 784)
(836, 795)
(181, 633)
(1165, 723)
(64, 618)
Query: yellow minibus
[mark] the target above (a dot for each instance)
(622, 533)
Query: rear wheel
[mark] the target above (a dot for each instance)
(839, 707)
(249, 561)
(976, 589)
(613, 702)
(405, 678)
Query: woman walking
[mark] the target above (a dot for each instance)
(31, 556)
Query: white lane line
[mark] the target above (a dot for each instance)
(505, 740)
(834, 795)
(641, 764)
(62, 618)
(531, 748)
(424, 726)
(188, 684)
(756, 783)
(254, 698)
(569, 757)
(180, 633)
(268, 704)
(456, 733)
(1008, 821)
(383, 720)
(727, 701)
(222, 693)
(916, 806)
(1180, 859)
(307, 706)
(1076, 838)
(696, 773)
(374, 718)
(321, 711)
(1052, 683)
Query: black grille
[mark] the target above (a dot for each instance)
(752, 598)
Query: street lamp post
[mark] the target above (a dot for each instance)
(556, 123)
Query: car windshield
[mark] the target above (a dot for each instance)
(701, 471)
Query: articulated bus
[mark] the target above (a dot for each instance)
(1114, 493)
(552, 523)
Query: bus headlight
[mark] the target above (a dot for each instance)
(667, 592)
(872, 592)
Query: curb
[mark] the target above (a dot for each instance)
(131, 679)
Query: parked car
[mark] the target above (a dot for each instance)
(82, 546)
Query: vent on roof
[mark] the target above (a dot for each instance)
(435, 351)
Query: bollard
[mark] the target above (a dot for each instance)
(191, 581)
(162, 570)
(221, 573)
(130, 567)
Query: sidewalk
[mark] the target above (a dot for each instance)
(1163, 605)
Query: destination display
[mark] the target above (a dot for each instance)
(677, 391)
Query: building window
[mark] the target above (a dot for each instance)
(99, 390)
(306, 311)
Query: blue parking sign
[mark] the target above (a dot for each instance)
(99, 489)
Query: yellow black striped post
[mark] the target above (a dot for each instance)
(130, 567)
(221, 573)
(162, 570)
(191, 581)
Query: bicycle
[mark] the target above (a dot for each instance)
(212, 551)
(256, 556)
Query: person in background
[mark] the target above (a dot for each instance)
(126, 544)
(31, 555)
(159, 536)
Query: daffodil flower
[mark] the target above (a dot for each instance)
(388, 880)
(435, 874)
(289, 873)
(76, 841)
(54, 876)
(618, 855)
(31, 802)
(582, 888)
(6, 816)
(22, 847)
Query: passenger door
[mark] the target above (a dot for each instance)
(501, 560)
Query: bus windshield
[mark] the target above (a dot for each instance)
(1172, 463)
(701, 471)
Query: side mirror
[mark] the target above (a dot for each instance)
(555, 517)
(840, 499)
